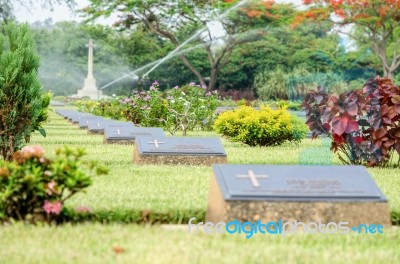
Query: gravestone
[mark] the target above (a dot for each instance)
(84, 121)
(178, 151)
(76, 118)
(56, 103)
(296, 193)
(96, 126)
(62, 112)
(66, 113)
(70, 115)
(127, 134)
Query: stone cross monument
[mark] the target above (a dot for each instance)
(90, 88)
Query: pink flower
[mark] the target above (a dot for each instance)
(51, 187)
(52, 208)
(155, 83)
(32, 151)
(192, 84)
(83, 209)
(125, 100)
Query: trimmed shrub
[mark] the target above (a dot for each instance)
(22, 107)
(265, 127)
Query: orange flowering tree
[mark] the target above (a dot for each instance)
(378, 20)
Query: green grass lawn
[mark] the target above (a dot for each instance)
(96, 243)
(180, 189)
(179, 192)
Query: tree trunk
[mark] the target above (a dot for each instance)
(193, 70)
(213, 78)
(171, 36)
(388, 73)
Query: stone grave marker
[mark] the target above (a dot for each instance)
(72, 115)
(127, 134)
(75, 119)
(296, 193)
(84, 121)
(62, 112)
(96, 126)
(67, 113)
(178, 151)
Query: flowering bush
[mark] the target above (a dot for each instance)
(146, 108)
(363, 124)
(265, 127)
(34, 188)
(181, 108)
(88, 106)
(108, 108)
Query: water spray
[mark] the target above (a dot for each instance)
(200, 31)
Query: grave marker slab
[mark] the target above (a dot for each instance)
(56, 103)
(73, 115)
(178, 151)
(96, 126)
(75, 119)
(127, 134)
(67, 113)
(84, 121)
(296, 193)
(62, 112)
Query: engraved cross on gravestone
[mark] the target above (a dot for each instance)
(155, 142)
(253, 177)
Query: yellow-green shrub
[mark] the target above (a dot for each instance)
(264, 127)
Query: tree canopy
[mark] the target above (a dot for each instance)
(378, 20)
(188, 22)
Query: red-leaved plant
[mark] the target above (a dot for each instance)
(363, 124)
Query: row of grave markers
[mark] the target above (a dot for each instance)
(151, 145)
(253, 192)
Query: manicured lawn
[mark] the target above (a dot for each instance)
(175, 193)
(181, 189)
(96, 243)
